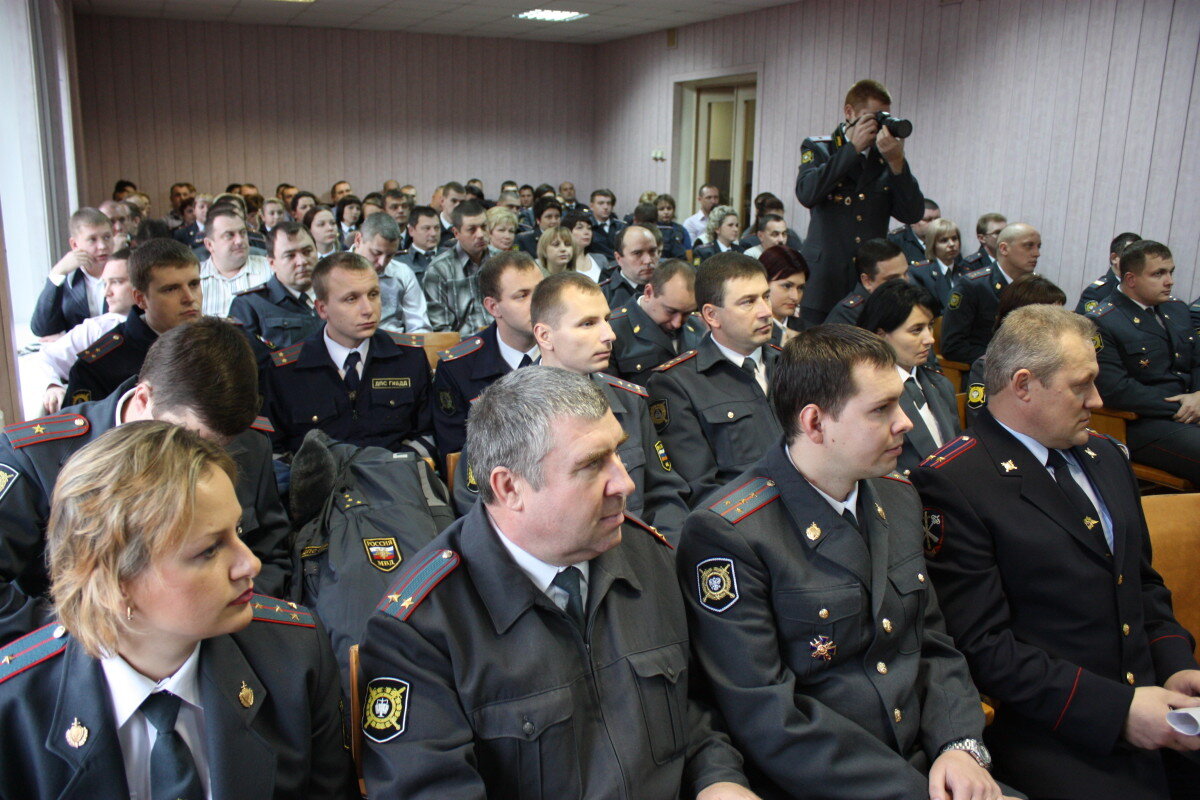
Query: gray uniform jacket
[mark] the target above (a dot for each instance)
(479, 685)
(713, 417)
(919, 442)
(640, 346)
(287, 744)
(824, 646)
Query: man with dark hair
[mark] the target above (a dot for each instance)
(987, 230)
(201, 376)
(968, 320)
(423, 235)
(853, 182)
(707, 198)
(710, 404)
(538, 646)
(526, 196)
(280, 312)
(452, 280)
(178, 193)
(808, 604)
(506, 283)
(1150, 361)
(338, 191)
(401, 298)
(876, 261)
(671, 244)
(1038, 549)
(772, 231)
(605, 225)
(73, 291)
(398, 206)
(570, 323)
(230, 268)
(911, 238)
(637, 253)
(453, 194)
(165, 276)
(649, 327)
(1103, 286)
(547, 214)
(301, 203)
(353, 381)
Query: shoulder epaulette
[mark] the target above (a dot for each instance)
(47, 429)
(820, 138)
(237, 323)
(102, 346)
(620, 312)
(979, 273)
(285, 612)
(852, 300)
(605, 282)
(895, 231)
(1099, 282)
(676, 361)
(405, 339)
(461, 349)
(746, 499)
(971, 259)
(949, 451)
(613, 380)
(31, 650)
(648, 528)
(896, 476)
(287, 355)
(921, 264)
(1101, 310)
(262, 287)
(774, 346)
(932, 367)
(262, 424)
(1124, 448)
(416, 584)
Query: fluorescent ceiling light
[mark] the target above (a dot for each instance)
(296, 1)
(550, 15)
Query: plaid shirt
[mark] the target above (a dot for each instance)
(452, 288)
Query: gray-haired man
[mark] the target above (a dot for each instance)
(537, 647)
(404, 309)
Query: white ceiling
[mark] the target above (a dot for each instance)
(608, 20)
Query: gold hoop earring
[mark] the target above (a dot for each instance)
(128, 614)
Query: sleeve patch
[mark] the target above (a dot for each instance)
(806, 157)
(8, 475)
(935, 531)
(659, 414)
(385, 709)
(416, 584)
(955, 300)
(1097, 342)
(976, 396)
(716, 584)
(659, 449)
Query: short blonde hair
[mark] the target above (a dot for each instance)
(647, 197)
(120, 502)
(716, 218)
(499, 215)
(559, 234)
(939, 229)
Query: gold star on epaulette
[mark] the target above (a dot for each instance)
(296, 617)
(408, 601)
(6, 660)
(395, 598)
(39, 429)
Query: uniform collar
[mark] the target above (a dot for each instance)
(1147, 309)
(736, 358)
(541, 573)
(339, 353)
(840, 507)
(511, 355)
(128, 688)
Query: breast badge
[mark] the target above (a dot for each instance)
(823, 647)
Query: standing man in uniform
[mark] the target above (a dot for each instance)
(637, 253)
(710, 404)
(202, 376)
(585, 688)
(1150, 361)
(280, 312)
(165, 276)
(1037, 545)
(852, 182)
(649, 327)
(911, 238)
(877, 261)
(810, 611)
(970, 316)
(506, 281)
(358, 384)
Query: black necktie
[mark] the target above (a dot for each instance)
(526, 361)
(751, 367)
(172, 769)
(848, 515)
(568, 581)
(1079, 500)
(913, 390)
(304, 303)
(351, 377)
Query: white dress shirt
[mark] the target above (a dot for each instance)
(760, 369)
(925, 411)
(127, 688)
(404, 307)
(696, 225)
(339, 353)
(541, 573)
(512, 356)
(56, 358)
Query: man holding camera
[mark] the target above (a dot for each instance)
(853, 182)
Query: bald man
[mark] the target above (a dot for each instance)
(971, 313)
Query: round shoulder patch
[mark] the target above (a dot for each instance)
(385, 709)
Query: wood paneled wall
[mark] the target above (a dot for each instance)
(1073, 115)
(213, 103)
(1081, 117)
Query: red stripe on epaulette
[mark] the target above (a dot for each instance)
(650, 529)
(406, 339)
(416, 584)
(676, 361)
(898, 478)
(1101, 310)
(26, 644)
(262, 424)
(288, 355)
(47, 429)
(977, 273)
(262, 287)
(282, 612)
(764, 492)
(774, 347)
(948, 452)
(102, 347)
(461, 349)
(614, 381)
(620, 312)
(852, 300)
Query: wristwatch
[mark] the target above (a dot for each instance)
(975, 748)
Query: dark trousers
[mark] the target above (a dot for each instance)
(1167, 445)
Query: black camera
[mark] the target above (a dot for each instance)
(900, 128)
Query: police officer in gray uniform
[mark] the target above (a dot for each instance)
(585, 690)
(852, 182)
(280, 311)
(650, 328)
(809, 605)
(1150, 361)
(710, 404)
(1099, 289)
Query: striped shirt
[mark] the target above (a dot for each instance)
(219, 290)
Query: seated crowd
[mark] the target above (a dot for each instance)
(701, 546)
